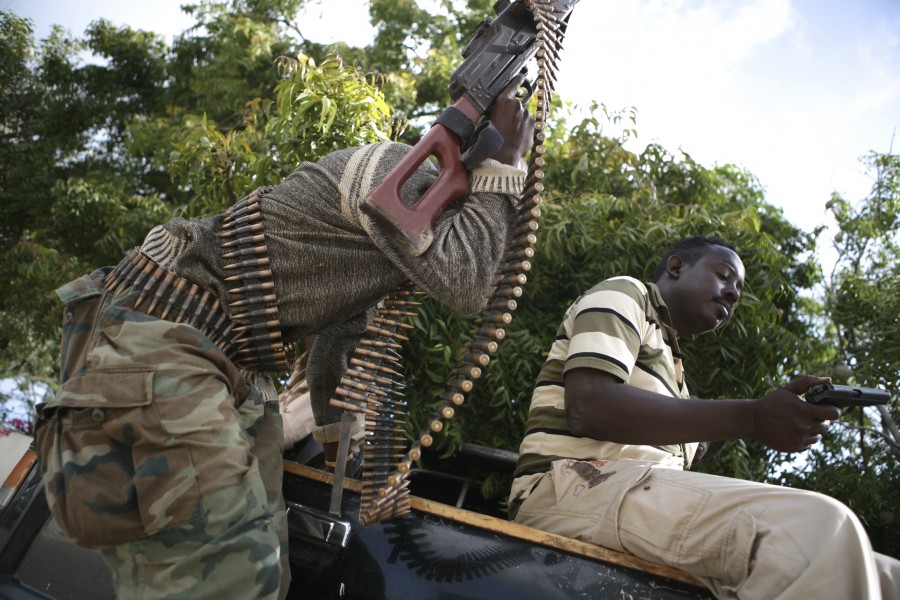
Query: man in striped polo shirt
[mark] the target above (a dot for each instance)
(612, 428)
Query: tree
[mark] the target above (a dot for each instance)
(94, 155)
(859, 459)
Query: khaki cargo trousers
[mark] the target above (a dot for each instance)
(164, 455)
(742, 539)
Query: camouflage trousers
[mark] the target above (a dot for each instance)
(164, 455)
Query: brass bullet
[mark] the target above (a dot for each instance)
(173, 297)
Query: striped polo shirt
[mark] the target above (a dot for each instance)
(620, 326)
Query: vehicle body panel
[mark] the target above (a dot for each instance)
(437, 551)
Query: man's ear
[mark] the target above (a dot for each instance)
(674, 265)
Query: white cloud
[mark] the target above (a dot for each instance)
(330, 21)
(164, 17)
(710, 34)
(664, 47)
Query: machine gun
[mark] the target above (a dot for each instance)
(497, 53)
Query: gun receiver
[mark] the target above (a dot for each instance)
(494, 57)
(498, 51)
(844, 396)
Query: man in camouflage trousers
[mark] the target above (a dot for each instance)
(163, 446)
(138, 416)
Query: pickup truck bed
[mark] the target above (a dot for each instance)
(452, 546)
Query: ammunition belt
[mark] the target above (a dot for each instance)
(251, 336)
(164, 295)
(253, 303)
(374, 386)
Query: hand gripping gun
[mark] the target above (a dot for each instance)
(498, 52)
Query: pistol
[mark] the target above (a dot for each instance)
(844, 396)
(498, 52)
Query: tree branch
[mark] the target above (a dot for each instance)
(894, 446)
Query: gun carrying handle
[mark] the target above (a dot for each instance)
(413, 223)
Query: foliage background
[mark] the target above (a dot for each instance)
(94, 154)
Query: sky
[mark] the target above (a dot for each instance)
(794, 91)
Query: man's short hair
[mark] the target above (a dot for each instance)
(691, 250)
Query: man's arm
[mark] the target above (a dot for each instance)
(600, 406)
(469, 236)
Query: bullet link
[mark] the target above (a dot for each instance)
(496, 333)
(256, 240)
(265, 299)
(254, 314)
(461, 383)
(370, 365)
(256, 287)
(250, 204)
(390, 323)
(477, 358)
(385, 333)
(363, 375)
(516, 279)
(501, 318)
(241, 231)
(502, 305)
(514, 266)
(186, 305)
(376, 355)
(250, 264)
(387, 346)
(252, 251)
(173, 297)
(335, 403)
(454, 398)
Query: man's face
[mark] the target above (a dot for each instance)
(707, 291)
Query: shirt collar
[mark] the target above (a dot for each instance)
(665, 319)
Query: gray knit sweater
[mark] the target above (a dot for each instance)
(331, 263)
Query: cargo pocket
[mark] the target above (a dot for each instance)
(111, 472)
(659, 513)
